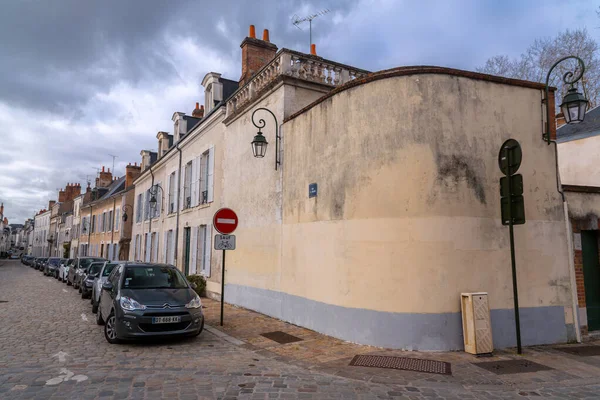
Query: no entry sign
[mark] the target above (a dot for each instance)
(225, 221)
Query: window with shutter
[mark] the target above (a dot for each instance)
(194, 247)
(207, 250)
(204, 178)
(210, 175)
(187, 186)
(117, 218)
(154, 247)
(147, 248)
(165, 246)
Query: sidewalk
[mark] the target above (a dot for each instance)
(329, 355)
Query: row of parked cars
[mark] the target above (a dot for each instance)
(131, 299)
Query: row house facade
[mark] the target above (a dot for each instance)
(41, 232)
(104, 225)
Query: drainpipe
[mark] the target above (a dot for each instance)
(149, 240)
(569, 229)
(112, 224)
(178, 199)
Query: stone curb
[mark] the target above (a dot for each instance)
(224, 336)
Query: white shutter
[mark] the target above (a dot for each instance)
(168, 194)
(211, 169)
(155, 248)
(193, 190)
(165, 246)
(159, 195)
(207, 250)
(178, 199)
(198, 183)
(134, 249)
(109, 252)
(171, 248)
(194, 245)
(148, 248)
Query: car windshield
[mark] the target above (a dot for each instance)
(108, 269)
(85, 262)
(54, 261)
(95, 268)
(153, 277)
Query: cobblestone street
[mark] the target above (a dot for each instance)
(51, 347)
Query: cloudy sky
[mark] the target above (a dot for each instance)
(80, 80)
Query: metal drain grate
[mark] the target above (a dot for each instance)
(403, 363)
(585, 351)
(3, 301)
(281, 337)
(512, 366)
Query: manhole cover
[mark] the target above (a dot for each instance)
(281, 337)
(585, 351)
(512, 366)
(404, 363)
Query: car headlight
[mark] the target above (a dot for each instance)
(127, 303)
(195, 303)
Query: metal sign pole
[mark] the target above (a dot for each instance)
(222, 287)
(512, 250)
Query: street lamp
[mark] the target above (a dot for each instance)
(574, 104)
(125, 208)
(259, 144)
(153, 192)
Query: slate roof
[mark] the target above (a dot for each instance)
(589, 127)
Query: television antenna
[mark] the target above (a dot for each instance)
(296, 20)
(113, 157)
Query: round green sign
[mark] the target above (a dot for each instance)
(509, 157)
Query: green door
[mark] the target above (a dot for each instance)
(591, 276)
(186, 257)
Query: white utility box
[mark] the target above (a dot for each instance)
(477, 325)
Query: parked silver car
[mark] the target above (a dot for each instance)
(97, 285)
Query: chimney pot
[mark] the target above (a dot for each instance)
(103, 168)
(266, 35)
(252, 32)
(313, 49)
(197, 106)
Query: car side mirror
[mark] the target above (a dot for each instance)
(107, 286)
(193, 285)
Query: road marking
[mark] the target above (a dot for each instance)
(226, 221)
(61, 356)
(65, 290)
(66, 375)
(19, 387)
(83, 317)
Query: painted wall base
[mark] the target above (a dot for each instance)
(408, 331)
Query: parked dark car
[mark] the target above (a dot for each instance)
(26, 260)
(76, 270)
(142, 299)
(98, 281)
(40, 263)
(51, 266)
(87, 282)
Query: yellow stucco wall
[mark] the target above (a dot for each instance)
(408, 211)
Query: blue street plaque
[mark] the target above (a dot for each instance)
(312, 190)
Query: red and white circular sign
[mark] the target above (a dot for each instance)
(225, 221)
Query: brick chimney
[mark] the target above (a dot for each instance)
(131, 174)
(51, 203)
(104, 179)
(61, 196)
(255, 54)
(198, 111)
(72, 190)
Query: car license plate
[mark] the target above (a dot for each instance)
(165, 320)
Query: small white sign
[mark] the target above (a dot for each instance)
(224, 242)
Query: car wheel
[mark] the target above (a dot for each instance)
(68, 283)
(83, 296)
(95, 308)
(110, 329)
(99, 319)
(79, 288)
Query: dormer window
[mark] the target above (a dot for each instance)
(213, 90)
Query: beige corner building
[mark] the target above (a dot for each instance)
(378, 207)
